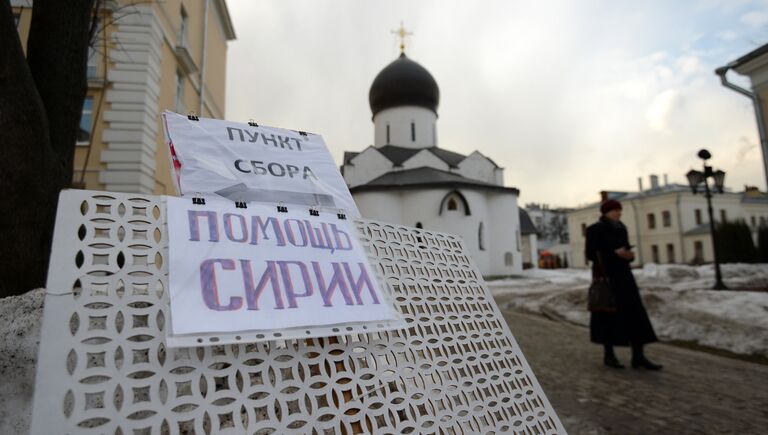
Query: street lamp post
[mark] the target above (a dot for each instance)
(695, 178)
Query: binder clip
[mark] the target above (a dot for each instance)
(341, 215)
(241, 204)
(281, 208)
(314, 212)
(252, 123)
(198, 200)
(192, 116)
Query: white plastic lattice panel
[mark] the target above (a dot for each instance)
(103, 366)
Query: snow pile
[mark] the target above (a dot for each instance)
(678, 277)
(20, 319)
(678, 299)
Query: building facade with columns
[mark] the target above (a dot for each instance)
(147, 57)
(667, 223)
(406, 178)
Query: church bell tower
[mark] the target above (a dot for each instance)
(404, 98)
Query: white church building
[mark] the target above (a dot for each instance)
(405, 178)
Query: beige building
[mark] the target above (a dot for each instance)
(148, 57)
(669, 224)
(755, 66)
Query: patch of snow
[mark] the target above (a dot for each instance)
(678, 298)
(20, 321)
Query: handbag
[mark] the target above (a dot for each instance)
(601, 298)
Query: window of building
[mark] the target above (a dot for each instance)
(698, 251)
(180, 106)
(480, 237)
(583, 230)
(655, 254)
(508, 259)
(670, 253)
(666, 219)
(413, 131)
(387, 134)
(183, 28)
(454, 201)
(697, 213)
(651, 221)
(92, 62)
(86, 122)
(723, 215)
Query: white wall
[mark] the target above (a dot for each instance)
(382, 206)
(478, 167)
(534, 242)
(366, 166)
(497, 211)
(498, 174)
(425, 158)
(505, 227)
(399, 120)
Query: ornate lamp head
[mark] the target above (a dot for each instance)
(694, 179)
(719, 177)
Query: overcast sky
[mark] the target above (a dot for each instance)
(570, 97)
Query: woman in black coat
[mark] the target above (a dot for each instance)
(608, 249)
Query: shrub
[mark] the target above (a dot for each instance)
(762, 244)
(734, 243)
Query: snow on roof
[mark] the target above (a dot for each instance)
(427, 177)
(399, 155)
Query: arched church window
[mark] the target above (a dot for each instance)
(481, 237)
(413, 131)
(508, 259)
(388, 134)
(454, 201)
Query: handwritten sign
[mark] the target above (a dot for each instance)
(246, 162)
(255, 269)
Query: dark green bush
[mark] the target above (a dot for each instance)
(734, 243)
(762, 244)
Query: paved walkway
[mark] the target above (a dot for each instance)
(696, 393)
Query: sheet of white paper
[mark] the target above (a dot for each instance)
(262, 164)
(256, 269)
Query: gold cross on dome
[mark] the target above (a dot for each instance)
(402, 33)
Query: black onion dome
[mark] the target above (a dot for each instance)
(404, 83)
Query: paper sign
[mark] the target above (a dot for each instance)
(256, 269)
(243, 162)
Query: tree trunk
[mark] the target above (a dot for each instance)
(40, 105)
(57, 53)
(29, 175)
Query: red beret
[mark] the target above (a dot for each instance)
(609, 205)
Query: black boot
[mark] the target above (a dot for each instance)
(639, 361)
(609, 358)
(645, 363)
